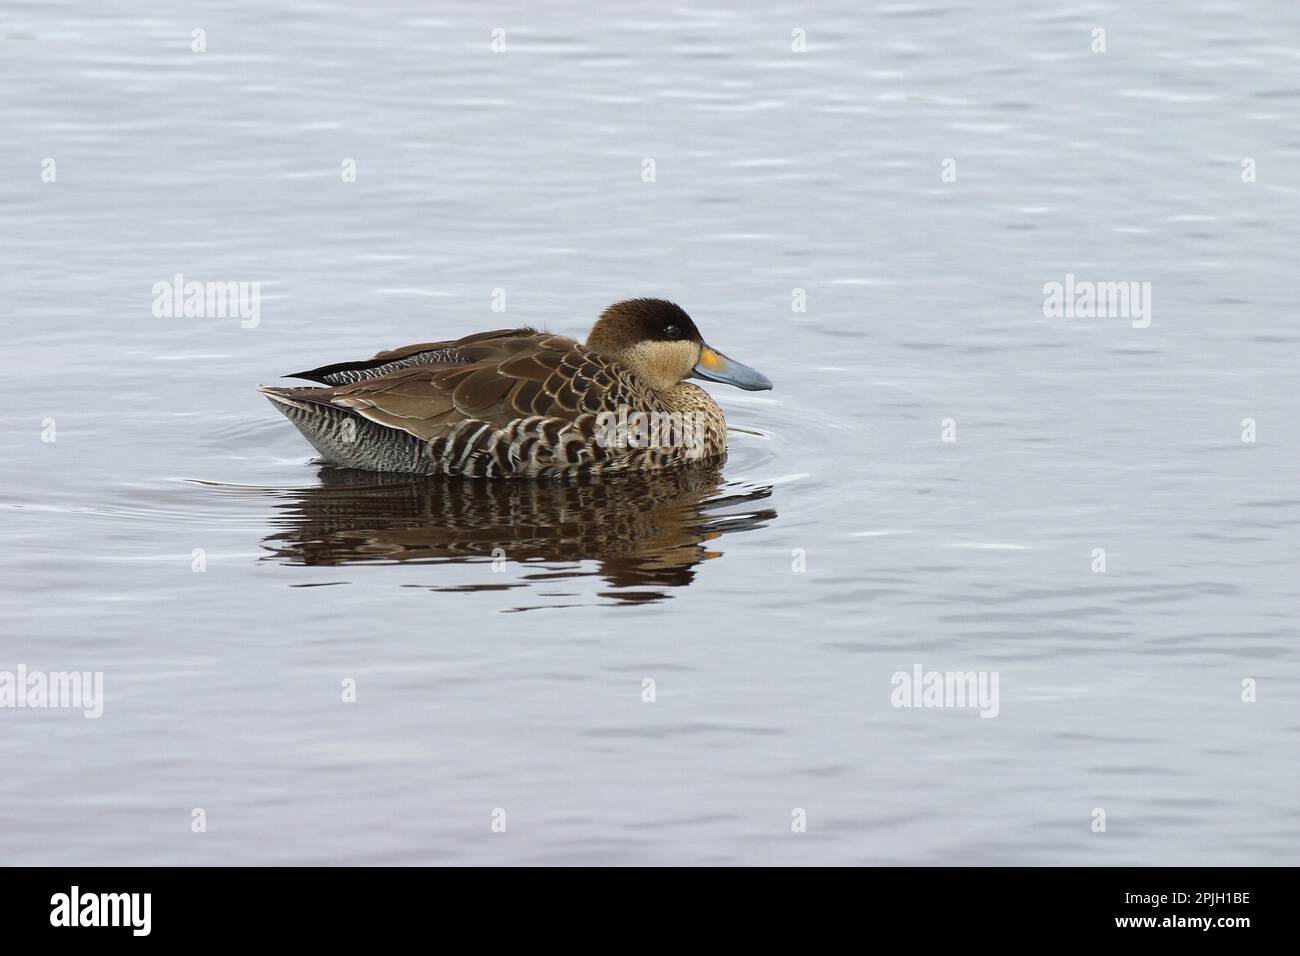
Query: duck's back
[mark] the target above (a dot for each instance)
(450, 352)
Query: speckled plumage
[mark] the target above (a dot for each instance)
(514, 402)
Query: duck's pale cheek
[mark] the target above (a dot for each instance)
(660, 364)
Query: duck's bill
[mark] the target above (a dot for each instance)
(716, 367)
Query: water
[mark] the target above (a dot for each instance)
(520, 688)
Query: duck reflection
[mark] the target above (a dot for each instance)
(641, 531)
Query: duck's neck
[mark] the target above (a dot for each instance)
(685, 397)
(706, 419)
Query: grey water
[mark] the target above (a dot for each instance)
(863, 201)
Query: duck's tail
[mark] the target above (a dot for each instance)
(304, 399)
(344, 438)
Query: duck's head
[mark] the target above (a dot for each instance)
(658, 341)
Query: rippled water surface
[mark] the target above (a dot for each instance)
(517, 684)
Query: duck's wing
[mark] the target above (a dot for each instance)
(495, 380)
(423, 353)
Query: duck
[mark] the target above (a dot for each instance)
(523, 403)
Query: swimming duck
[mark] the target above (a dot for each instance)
(519, 403)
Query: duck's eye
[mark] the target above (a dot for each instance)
(672, 332)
